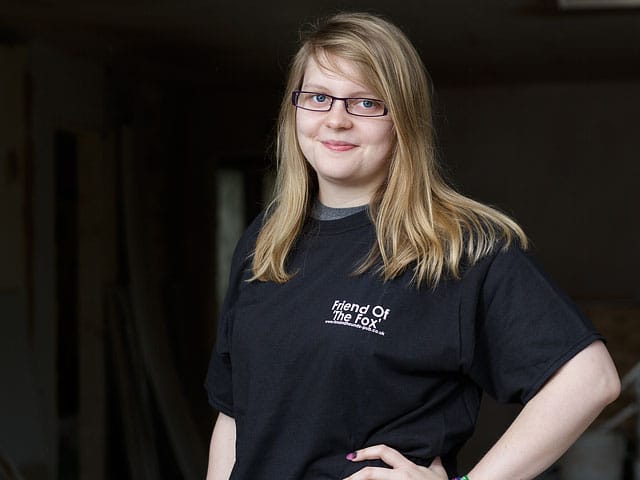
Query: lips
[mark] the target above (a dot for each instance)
(338, 146)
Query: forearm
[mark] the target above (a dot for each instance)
(222, 449)
(552, 420)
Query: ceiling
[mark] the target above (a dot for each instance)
(461, 41)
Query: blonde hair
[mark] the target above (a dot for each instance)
(420, 221)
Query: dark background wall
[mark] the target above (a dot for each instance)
(561, 157)
(122, 122)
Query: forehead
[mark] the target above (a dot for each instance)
(335, 71)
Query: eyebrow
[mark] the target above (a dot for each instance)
(313, 87)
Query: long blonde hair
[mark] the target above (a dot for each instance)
(420, 221)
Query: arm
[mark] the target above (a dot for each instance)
(545, 428)
(222, 449)
(554, 418)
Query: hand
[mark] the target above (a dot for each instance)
(401, 467)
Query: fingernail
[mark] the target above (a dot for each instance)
(351, 456)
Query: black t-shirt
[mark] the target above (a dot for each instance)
(331, 362)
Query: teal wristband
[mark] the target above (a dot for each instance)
(463, 477)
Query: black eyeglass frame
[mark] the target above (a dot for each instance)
(296, 93)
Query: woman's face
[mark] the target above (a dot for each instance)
(350, 154)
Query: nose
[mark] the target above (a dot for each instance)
(338, 117)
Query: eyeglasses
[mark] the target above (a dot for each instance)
(322, 102)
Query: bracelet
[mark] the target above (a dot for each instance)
(463, 477)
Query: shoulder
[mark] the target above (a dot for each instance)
(253, 230)
(483, 251)
(513, 278)
(513, 261)
(246, 244)
(506, 266)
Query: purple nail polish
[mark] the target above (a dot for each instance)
(351, 456)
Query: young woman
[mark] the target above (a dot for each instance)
(371, 304)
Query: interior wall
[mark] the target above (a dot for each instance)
(12, 166)
(20, 426)
(67, 93)
(563, 159)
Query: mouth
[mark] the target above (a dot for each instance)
(338, 146)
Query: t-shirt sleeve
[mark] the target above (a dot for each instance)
(218, 382)
(525, 328)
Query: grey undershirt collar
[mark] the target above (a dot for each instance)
(322, 212)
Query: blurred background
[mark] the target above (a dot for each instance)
(135, 146)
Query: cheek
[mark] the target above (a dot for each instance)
(304, 127)
(304, 134)
(386, 138)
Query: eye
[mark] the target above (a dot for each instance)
(368, 104)
(366, 107)
(319, 98)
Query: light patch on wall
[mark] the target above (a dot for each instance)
(230, 223)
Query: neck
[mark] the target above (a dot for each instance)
(339, 198)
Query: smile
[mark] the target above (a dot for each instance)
(338, 146)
